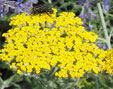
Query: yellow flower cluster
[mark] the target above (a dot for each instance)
(108, 67)
(44, 40)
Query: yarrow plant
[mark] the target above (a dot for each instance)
(44, 41)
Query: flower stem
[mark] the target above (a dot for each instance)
(101, 39)
(104, 26)
(96, 82)
(82, 12)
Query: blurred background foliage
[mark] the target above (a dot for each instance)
(88, 11)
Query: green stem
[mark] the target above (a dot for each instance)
(102, 39)
(82, 12)
(111, 33)
(96, 82)
(104, 26)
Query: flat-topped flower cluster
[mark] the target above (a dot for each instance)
(45, 40)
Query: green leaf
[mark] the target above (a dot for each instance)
(16, 85)
(8, 81)
(67, 86)
(1, 82)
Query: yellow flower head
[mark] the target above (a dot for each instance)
(108, 62)
(41, 41)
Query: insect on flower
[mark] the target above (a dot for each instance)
(37, 9)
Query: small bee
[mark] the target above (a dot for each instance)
(37, 9)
